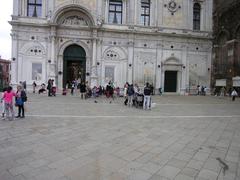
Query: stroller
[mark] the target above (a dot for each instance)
(138, 100)
(54, 90)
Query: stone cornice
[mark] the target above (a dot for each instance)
(155, 31)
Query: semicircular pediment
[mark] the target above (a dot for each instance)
(74, 16)
(74, 20)
(172, 61)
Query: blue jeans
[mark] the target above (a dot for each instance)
(147, 102)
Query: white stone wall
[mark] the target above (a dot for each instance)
(140, 53)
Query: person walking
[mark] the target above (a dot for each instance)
(21, 98)
(8, 103)
(49, 87)
(234, 94)
(125, 93)
(34, 85)
(147, 97)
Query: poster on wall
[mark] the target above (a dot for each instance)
(109, 74)
(36, 71)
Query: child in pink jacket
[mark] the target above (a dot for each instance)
(8, 100)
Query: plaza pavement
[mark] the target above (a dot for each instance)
(66, 138)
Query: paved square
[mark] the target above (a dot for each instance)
(66, 138)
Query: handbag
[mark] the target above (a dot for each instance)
(19, 101)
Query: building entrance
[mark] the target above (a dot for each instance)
(170, 83)
(74, 64)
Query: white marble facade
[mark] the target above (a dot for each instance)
(125, 52)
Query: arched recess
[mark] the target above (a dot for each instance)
(74, 64)
(72, 10)
(114, 53)
(32, 56)
(33, 48)
(60, 61)
(114, 66)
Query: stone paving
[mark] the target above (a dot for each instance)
(66, 138)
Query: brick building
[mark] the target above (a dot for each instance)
(226, 48)
(4, 72)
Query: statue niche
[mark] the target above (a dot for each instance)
(75, 21)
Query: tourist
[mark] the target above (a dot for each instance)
(8, 100)
(199, 90)
(222, 91)
(234, 94)
(83, 90)
(42, 89)
(130, 94)
(54, 88)
(125, 93)
(3, 103)
(110, 90)
(160, 91)
(24, 85)
(72, 87)
(34, 85)
(147, 97)
(21, 97)
(205, 91)
(49, 87)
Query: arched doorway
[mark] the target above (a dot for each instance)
(74, 64)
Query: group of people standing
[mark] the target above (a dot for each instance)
(51, 87)
(134, 96)
(7, 101)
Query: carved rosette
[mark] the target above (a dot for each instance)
(172, 6)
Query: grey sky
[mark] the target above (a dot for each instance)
(5, 28)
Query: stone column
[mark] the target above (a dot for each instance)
(136, 12)
(16, 7)
(94, 60)
(53, 72)
(185, 70)
(160, 10)
(130, 64)
(158, 78)
(106, 11)
(99, 62)
(209, 61)
(14, 63)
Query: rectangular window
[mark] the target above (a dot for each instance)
(109, 73)
(36, 71)
(115, 12)
(145, 12)
(34, 8)
(196, 16)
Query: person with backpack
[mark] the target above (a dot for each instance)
(21, 98)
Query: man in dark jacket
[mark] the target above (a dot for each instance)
(83, 90)
(147, 97)
(130, 93)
